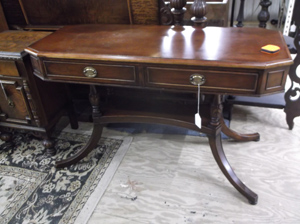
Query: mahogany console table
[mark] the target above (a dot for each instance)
(144, 61)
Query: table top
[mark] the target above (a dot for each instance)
(187, 45)
(12, 43)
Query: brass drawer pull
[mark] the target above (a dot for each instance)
(90, 72)
(197, 79)
(10, 103)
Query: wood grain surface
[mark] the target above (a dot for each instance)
(12, 43)
(212, 46)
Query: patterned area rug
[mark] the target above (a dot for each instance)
(32, 190)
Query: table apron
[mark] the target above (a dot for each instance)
(234, 81)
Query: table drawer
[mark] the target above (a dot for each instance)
(8, 68)
(106, 74)
(229, 82)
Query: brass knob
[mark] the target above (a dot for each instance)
(11, 103)
(197, 79)
(90, 72)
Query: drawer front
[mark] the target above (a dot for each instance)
(105, 74)
(14, 106)
(8, 68)
(216, 81)
(274, 80)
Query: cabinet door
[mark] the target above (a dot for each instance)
(14, 107)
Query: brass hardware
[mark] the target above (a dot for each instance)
(11, 103)
(197, 79)
(90, 72)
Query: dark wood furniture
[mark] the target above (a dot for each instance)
(26, 102)
(292, 97)
(3, 23)
(240, 17)
(264, 15)
(50, 15)
(172, 60)
(290, 100)
(36, 15)
(217, 12)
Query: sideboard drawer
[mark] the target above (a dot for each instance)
(230, 82)
(105, 74)
(8, 68)
(14, 104)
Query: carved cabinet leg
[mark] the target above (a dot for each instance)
(49, 146)
(5, 136)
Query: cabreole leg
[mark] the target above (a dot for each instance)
(92, 143)
(215, 142)
(96, 134)
(237, 136)
(219, 155)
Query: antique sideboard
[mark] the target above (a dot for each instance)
(26, 102)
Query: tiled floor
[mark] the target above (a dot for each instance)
(174, 179)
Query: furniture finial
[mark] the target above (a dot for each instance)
(166, 17)
(264, 14)
(178, 10)
(198, 10)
